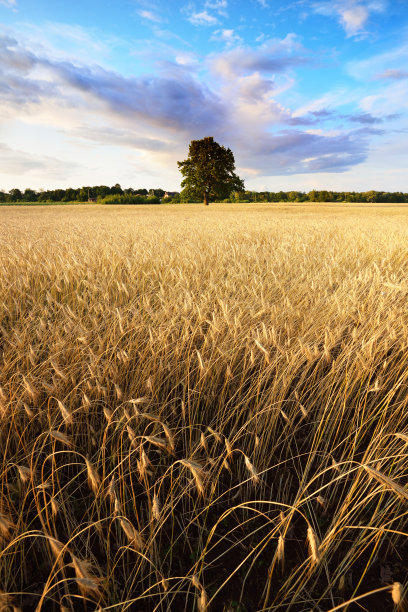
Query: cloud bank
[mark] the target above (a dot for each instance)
(154, 116)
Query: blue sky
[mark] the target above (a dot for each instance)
(307, 94)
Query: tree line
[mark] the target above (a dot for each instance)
(80, 194)
(117, 195)
(319, 196)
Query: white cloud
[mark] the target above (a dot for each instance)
(274, 56)
(203, 18)
(185, 58)
(352, 14)
(8, 3)
(217, 5)
(229, 37)
(353, 18)
(150, 16)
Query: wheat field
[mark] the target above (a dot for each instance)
(204, 408)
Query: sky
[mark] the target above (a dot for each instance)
(309, 94)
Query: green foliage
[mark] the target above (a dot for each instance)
(320, 196)
(159, 193)
(15, 195)
(209, 171)
(80, 195)
(129, 199)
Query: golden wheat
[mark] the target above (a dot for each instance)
(187, 396)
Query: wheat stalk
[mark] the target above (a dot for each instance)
(389, 483)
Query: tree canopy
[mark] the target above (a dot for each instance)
(209, 171)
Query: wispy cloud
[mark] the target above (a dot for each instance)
(352, 14)
(366, 118)
(150, 16)
(8, 3)
(76, 36)
(186, 59)
(270, 58)
(229, 37)
(378, 66)
(392, 98)
(202, 18)
(123, 137)
(324, 114)
(325, 103)
(72, 42)
(220, 6)
(393, 74)
(20, 163)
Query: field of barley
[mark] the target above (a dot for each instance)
(204, 409)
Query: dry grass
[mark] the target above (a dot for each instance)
(204, 409)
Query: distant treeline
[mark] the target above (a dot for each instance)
(318, 196)
(117, 195)
(129, 198)
(102, 193)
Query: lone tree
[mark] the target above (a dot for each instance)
(209, 171)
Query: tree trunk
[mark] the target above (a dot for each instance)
(206, 202)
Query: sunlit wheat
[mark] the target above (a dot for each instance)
(203, 411)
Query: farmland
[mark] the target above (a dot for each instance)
(204, 408)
